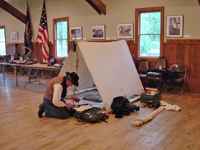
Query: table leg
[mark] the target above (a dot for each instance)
(15, 68)
(3, 72)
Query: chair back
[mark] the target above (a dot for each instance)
(161, 63)
(143, 66)
(178, 68)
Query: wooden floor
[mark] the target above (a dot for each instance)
(21, 129)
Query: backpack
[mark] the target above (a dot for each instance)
(121, 106)
(92, 115)
(118, 106)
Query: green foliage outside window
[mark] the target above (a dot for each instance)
(150, 24)
(62, 43)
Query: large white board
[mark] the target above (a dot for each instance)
(112, 69)
(85, 79)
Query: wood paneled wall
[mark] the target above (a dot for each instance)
(11, 50)
(36, 53)
(181, 51)
(177, 51)
(187, 52)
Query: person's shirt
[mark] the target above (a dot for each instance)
(57, 95)
(54, 91)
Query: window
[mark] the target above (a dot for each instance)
(61, 36)
(149, 32)
(2, 41)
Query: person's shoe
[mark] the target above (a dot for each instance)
(41, 110)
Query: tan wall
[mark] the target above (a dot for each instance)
(80, 13)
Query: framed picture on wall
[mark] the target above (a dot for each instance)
(14, 36)
(125, 31)
(98, 32)
(76, 33)
(175, 26)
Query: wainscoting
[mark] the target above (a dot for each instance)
(181, 51)
(185, 52)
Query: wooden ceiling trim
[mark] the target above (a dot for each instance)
(13, 11)
(97, 5)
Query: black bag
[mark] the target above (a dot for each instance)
(92, 115)
(118, 106)
(121, 106)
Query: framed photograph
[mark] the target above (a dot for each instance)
(175, 26)
(14, 36)
(125, 31)
(76, 33)
(98, 32)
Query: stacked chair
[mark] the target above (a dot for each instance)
(142, 71)
(179, 83)
(154, 79)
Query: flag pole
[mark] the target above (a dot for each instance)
(28, 35)
(34, 43)
(76, 62)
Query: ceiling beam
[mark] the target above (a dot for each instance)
(13, 11)
(97, 5)
(199, 2)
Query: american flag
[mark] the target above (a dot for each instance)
(42, 35)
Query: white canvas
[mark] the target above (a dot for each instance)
(111, 67)
(85, 79)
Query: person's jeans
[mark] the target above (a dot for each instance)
(52, 111)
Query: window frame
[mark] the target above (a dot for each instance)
(55, 31)
(4, 36)
(137, 30)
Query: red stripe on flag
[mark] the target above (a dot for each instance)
(42, 37)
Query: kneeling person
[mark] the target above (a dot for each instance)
(53, 104)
